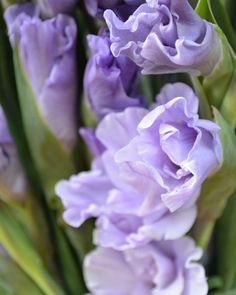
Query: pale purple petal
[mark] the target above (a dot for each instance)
(110, 83)
(47, 52)
(158, 268)
(83, 196)
(99, 267)
(123, 230)
(94, 145)
(124, 124)
(174, 140)
(155, 162)
(165, 37)
(170, 91)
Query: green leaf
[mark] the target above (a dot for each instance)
(226, 245)
(17, 243)
(230, 292)
(14, 280)
(217, 189)
(71, 266)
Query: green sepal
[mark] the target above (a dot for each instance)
(205, 110)
(217, 83)
(228, 108)
(51, 158)
(214, 11)
(203, 9)
(217, 189)
(221, 17)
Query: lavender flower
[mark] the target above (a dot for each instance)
(144, 183)
(172, 141)
(165, 36)
(125, 217)
(160, 268)
(47, 53)
(12, 178)
(109, 82)
(123, 8)
(54, 7)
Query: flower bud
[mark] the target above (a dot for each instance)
(110, 83)
(46, 51)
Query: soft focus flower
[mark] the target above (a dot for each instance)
(12, 178)
(110, 83)
(123, 8)
(54, 7)
(160, 268)
(47, 52)
(144, 183)
(165, 36)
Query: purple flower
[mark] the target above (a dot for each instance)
(110, 83)
(54, 7)
(47, 53)
(145, 180)
(165, 36)
(177, 147)
(124, 8)
(12, 178)
(127, 216)
(160, 268)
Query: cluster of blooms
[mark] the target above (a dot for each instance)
(149, 160)
(142, 188)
